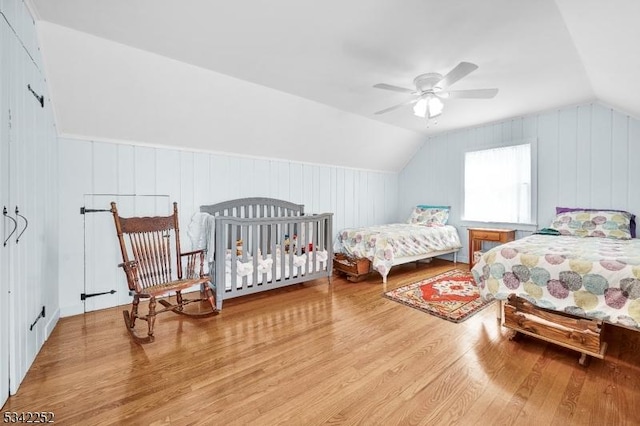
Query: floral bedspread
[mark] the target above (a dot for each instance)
(385, 243)
(592, 277)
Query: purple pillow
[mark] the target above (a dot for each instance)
(632, 225)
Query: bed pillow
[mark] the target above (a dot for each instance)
(428, 206)
(632, 225)
(594, 223)
(429, 215)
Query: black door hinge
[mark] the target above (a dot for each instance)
(84, 296)
(84, 210)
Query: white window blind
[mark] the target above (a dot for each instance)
(497, 185)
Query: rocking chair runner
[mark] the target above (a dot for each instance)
(149, 273)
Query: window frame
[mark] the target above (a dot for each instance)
(532, 226)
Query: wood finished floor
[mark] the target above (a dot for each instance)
(326, 354)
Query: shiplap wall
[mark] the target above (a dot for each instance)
(28, 186)
(587, 157)
(356, 197)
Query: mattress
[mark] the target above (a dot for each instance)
(590, 277)
(383, 244)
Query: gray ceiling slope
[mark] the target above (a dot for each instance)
(541, 54)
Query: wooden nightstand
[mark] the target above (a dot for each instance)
(478, 235)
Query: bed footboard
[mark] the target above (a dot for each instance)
(258, 254)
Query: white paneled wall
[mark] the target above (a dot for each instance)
(587, 157)
(28, 172)
(356, 197)
(23, 26)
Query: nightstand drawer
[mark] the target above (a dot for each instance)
(487, 235)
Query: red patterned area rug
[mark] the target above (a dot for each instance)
(452, 295)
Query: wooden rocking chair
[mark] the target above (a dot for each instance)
(149, 272)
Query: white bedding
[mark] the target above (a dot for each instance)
(383, 244)
(265, 267)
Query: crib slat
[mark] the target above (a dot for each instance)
(254, 252)
(291, 253)
(244, 234)
(234, 259)
(283, 250)
(264, 244)
(273, 229)
(317, 242)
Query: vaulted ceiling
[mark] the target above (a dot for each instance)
(321, 59)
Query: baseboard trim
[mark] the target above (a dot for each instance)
(51, 324)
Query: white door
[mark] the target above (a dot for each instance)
(7, 225)
(105, 285)
(28, 148)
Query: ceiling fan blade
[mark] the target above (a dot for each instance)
(412, 101)
(461, 70)
(469, 94)
(393, 88)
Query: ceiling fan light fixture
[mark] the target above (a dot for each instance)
(432, 88)
(435, 106)
(420, 108)
(428, 107)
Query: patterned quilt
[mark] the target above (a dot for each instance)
(592, 277)
(385, 243)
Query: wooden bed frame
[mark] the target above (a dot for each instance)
(356, 269)
(251, 229)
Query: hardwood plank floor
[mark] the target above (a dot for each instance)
(319, 353)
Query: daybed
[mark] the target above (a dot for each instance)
(426, 235)
(561, 288)
(259, 244)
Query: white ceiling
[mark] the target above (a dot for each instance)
(540, 54)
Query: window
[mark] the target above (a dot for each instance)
(499, 185)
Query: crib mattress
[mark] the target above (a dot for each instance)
(245, 268)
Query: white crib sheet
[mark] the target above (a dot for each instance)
(265, 268)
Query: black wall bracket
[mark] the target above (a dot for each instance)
(40, 98)
(41, 315)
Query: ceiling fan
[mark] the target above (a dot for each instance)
(431, 88)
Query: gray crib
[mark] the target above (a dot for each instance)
(264, 243)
